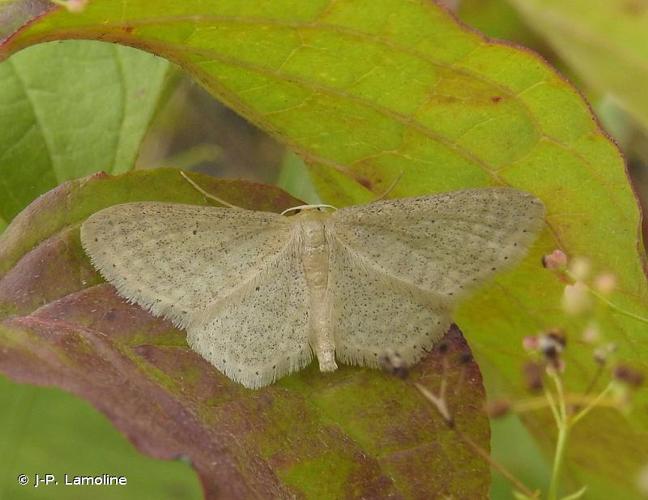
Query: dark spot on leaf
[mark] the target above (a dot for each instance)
(365, 182)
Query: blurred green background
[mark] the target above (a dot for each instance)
(49, 431)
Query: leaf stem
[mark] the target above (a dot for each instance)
(552, 406)
(563, 433)
(607, 301)
(205, 193)
(541, 402)
(616, 308)
(592, 404)
(559, 409)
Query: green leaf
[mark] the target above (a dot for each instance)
(365, 91)
(498, 19)
(353, 433)
(47, 431)
(294, 178)
(75, 108)
(606, 43)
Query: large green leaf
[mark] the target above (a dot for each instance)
(605, 42)
(355, 433)
(70, 109)
(365, 90)
(40, 423)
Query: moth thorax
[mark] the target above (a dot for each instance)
(313, 230)
(315, 251)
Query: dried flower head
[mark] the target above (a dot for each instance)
(551, 345)
(533, 373)
(555, 260)
(497, 408)
(553, 339)
(602, 353)
(628, 376)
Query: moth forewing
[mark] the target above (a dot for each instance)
(444, 244)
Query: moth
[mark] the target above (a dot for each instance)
(260, 293)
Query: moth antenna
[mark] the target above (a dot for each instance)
(391, 186)
(307, 207)
(205, 193)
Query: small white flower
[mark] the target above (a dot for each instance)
(591, 334)
(580, 268)
(576, 298)
(605, 283)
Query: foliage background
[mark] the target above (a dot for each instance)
(599, 46)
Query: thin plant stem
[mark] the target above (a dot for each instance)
(592, 404)
(616, 308)
(608, 302)
(541, 402)
(563, 433)
(563, 424)
(595, 379)
(441, 406)
(205, 193)
(552, 406)
(561, 395)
